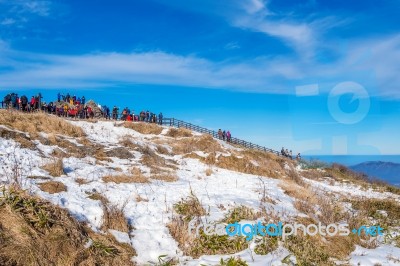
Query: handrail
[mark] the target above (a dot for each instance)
(173, 122)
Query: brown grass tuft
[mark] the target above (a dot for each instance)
(135, 177)
(190, 207)
(165, 176)
(114, 218)
(162, 150)
(204, 143)
(209, 171)
(53, 187)
(55, 168)
(179, 133)
(266, 167)
(98, 196)
(144, 128)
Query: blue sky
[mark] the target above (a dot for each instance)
(318, 77)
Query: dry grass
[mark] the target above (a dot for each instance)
(120, 152)
(42, 123)
(166, 176)
(139, 198)
(162, 150)
(325, 208)
(209, 171)
(144, 128)
(24, 140)
(135, 176)
(53, 187)
(193, 155)
(313, 174)
(374, 208)
(196, 246)
(98, 196)
(202, 244)
(35, 232)
(241, 213)
(179, 133)
(294, 176)
(55, 168)
(266, 167)
(114, 218)
(190, 207)
(204, 143)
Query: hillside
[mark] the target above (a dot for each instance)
(385, 170)
(130, 190)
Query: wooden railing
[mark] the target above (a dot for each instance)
(172, 122)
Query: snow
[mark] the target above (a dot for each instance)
(121, 237)
(150, 236)
(382, 255)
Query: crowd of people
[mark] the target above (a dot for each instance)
(77, 107)
(68, 105)
(143, 116)
(12, 100)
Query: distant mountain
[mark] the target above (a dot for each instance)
(388, 171)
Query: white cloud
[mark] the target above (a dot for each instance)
(373, 63)
(7, 21)
(19, 12)
(40, 8)
(105, 69)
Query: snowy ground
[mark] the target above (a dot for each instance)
(150, 236)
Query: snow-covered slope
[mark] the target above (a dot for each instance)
(148, 206)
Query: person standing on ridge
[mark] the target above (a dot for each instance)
(160, 118)
(219, 133)
(228, 136)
